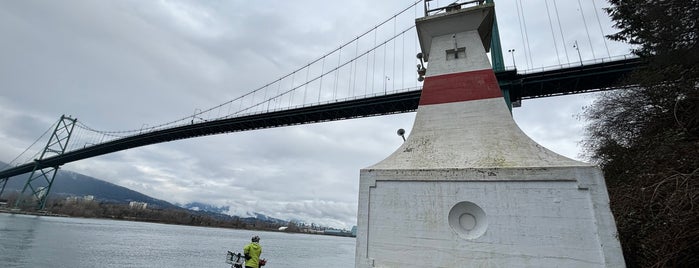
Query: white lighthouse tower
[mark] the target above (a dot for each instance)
(468, 188)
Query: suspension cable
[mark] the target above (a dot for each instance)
(373, 73)
(337, 74)
(356, 69)
(184, 119)
(393, 78)
(523, 32)
(366, 75)
(600, 28)
(565, 46)
(33, 143)
(334, 69)
(582, 14)
(552, 35)
(305, 89)
(320, 88)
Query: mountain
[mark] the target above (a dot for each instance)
(202, 207)
(68, 183)
(198, 206)
(266, 218)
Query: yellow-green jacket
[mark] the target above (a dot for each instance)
(253, 250)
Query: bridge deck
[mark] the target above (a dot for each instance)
(573, 80)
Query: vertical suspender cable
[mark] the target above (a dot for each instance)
(356, 69)
(291, 95)
(393, 78)
(279, 88)
(565, 46)
(77, 139)
(349, 78)
(86, 137)
(552, 34)
(353, 71)
(383, 80)
(366, 74)
(252, 99)
(373, 74)
(582, 14)
(523, 32)
(383, 77)
(305, 87)
(240, 106)
(322, 71)
(526, 35)
(402, 63)
(230, 105)
(337, 73)
(600, 28)
(415, 45)
(264, 98)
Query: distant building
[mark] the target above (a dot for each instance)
(77, 199)
(42, 191)
(138, 205)
(337, 232)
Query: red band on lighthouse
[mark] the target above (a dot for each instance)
(456, 87)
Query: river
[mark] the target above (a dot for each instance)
(40, 241)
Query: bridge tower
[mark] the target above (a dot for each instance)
(468, 188)
(41, 179)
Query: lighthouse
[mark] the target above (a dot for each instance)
(468, 188)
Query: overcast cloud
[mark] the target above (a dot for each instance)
(118, 65)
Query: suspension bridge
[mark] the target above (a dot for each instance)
(373, 74)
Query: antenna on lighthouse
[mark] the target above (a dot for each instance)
(421, 70)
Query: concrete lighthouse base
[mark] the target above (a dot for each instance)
(468, 188)
(528, 217)
(454, 195)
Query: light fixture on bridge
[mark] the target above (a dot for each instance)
(512, 51)
(575, 45)
(421, 70)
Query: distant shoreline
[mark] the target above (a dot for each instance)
(17, 211)
(134, 219)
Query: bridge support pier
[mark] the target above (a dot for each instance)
(3, 181)
(468, 188)
(40, 180)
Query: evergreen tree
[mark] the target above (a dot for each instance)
(646, 137)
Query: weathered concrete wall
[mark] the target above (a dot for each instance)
(532, 217)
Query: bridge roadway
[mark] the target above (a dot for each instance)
(573, 80)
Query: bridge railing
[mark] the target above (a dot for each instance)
(453, 6)
(574, 64)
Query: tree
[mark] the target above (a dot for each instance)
(646, 137)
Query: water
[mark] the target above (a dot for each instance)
(33, 241)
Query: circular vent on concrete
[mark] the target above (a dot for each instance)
(468, 220)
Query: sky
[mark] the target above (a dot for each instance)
(118, 65)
